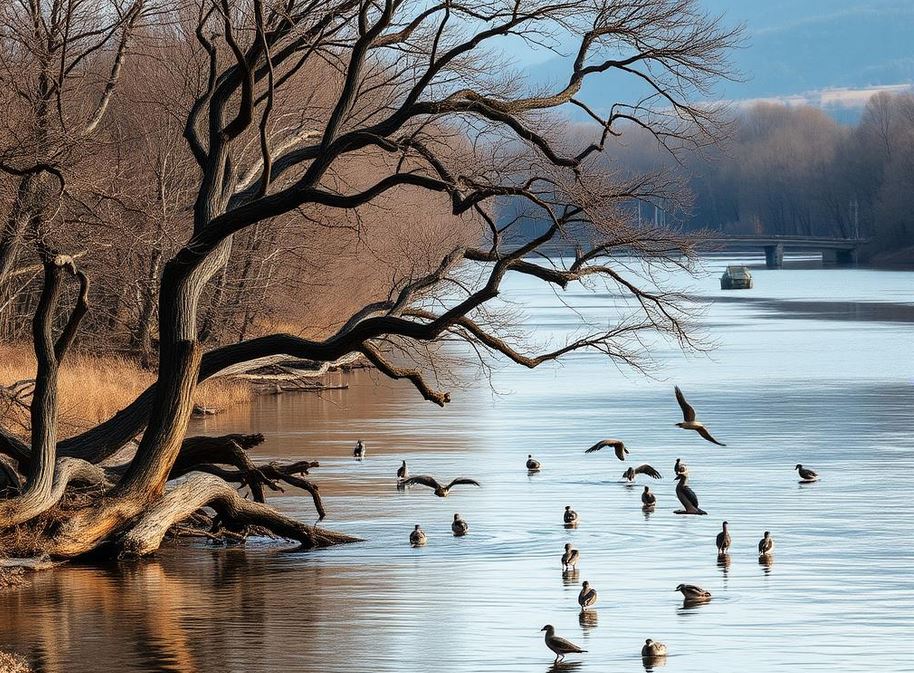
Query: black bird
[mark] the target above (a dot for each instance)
(359, 450)
(431, 482)
(617, 445)
(689, 422)
(648, 499)
(723, 539)
(570, 517)
(532, 463)
(459, 527)
(680, 467)
(630, 473)
(687, 497)
(403, 472)
(806, 474)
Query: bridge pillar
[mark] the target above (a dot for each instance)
(839, 257)
(774, 256)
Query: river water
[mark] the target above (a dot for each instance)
(813, 366)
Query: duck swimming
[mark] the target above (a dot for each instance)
(653, 649)
(648, 499)
(693, 593)
(570, 516)
(417, 537)
(533, 464)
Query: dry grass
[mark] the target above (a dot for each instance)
(13, 663)
(93, 388)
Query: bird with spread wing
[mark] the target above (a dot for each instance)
(689, 422)
(431, 482)
(616, 444)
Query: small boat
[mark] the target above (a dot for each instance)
(736, 278)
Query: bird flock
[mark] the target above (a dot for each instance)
(653, 651)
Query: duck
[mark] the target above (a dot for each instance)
(359, 450)
(532, 463)
(588, 596)
(688, 419)
(571, 557)
(806, 475)
(439, 490)
(648, 499)
(570, 516)
(630, 473)
(687, 496)
(693, 593)
(680, 467)
(417, 537)
(766, 544)
(559, 645)
(459, 527)
(617, 445)
(723, 539)
(402, 472)
(652, 649)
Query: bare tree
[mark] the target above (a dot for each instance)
(411, 76)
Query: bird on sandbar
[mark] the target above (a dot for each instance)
(532, 463)
(359, 450)
(571, 557)
(766, 544)
(687, 496)
(459, 527)
(689, 422)
(693, 593)
(588, 596)
(806, 475)
(559, 645)
(680, 467)
(431, 482)
(648, 499)
(570, 516)
(653, 649)
(402, 472)
(617, 445)
(417, 537)
(723, 539)
(631, 472)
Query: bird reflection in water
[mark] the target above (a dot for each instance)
(652, 663)
(723, 562)
(588, 619)
(766, 561)
(690, 604)
(565, 666)
(570, 577)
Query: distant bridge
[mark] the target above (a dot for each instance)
(837, 251)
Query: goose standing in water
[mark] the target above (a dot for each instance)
(687, 496)
(689, 422)
(693, 594)
(630, 473)
(723, 539)
(652, 649)
(459, 526)
(570, 517)
(533, 464)
(648, 499)
(806, 475)
(588, 596)
(571, 557)
(617, 444)
(680, 467)
(431, 482)
(359, 451)
(559, 645)
(417, 537)
(766, 544)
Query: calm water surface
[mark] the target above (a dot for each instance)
(813, 366)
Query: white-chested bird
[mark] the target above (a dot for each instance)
(417, 537)
(431, 482)
(559, 645)
(459, 527)
(646, 469)
(587, 598)
(687, 496)
(532, 463)
(806, 474)
(689, 421)
(723, 539)
(766, 544)
(571, 557)
(617, 445)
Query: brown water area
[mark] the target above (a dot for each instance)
(786, 384)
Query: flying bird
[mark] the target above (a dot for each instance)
(766, 544)
(693, 594)
(403, 472)
(417, 537)
(588, 596)
(687, 497)
(648, 499)
(359, 450)
(571, 557)
(570, 517)
(532, 463)
(617, 445)
(653, 649)
(630, 473)
(431, 482)
(806, 474)
(459, 527)
(689, 422)
(559, 645)
(723, 539)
